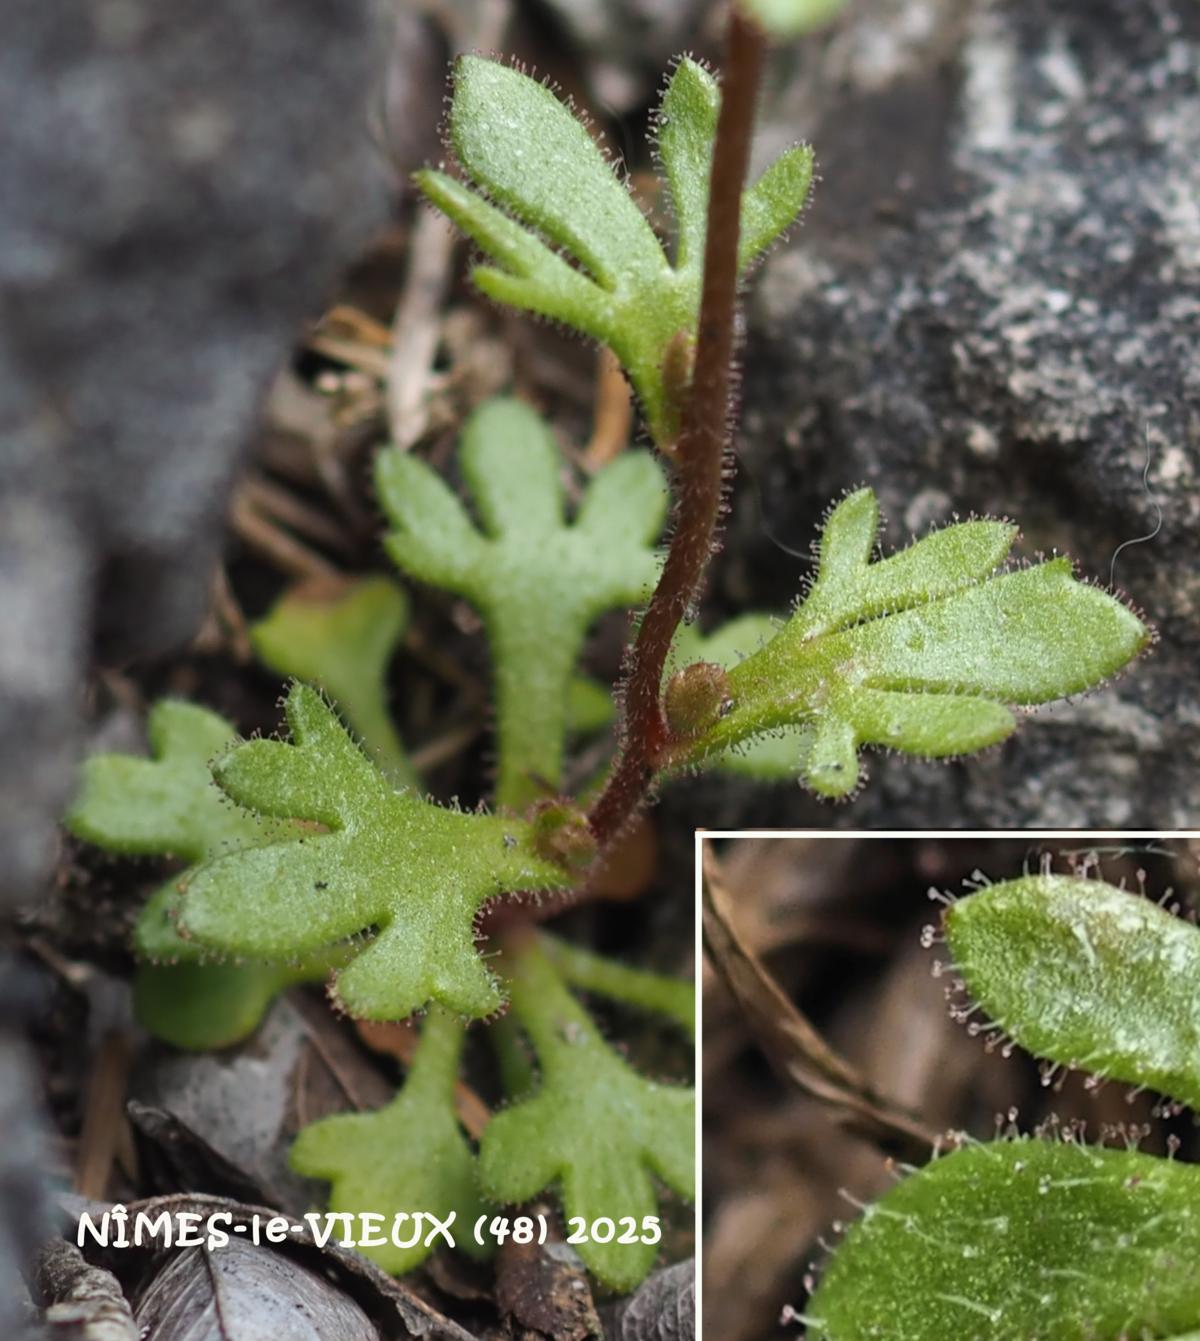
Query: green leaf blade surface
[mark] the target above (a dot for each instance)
(774, 202)
(535, 157)
(687, 125)
(167, 804)
(537, 579)
(411, 875)
(1023, 1239)
(593, 1126)
(408, 1157)
(342, 640)
(1086, 975)
(1027, 637)
(850, 588)
(924, 652)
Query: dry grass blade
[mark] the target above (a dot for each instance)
(281, 505)
(789, 1039)
(416, 327)
(275, 545)
(103, 1114)
(612, 415)
(446, 746)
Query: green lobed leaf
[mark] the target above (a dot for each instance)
(790, 18)
(168, 805)
(687, 125)
(532, 276)
(408, 1157)
(185, 995)
(1086, 975)
(540, 185)
(535, 157)
(156, 938)
(201, 1007)
(924, 652)
(538, 581)
(773, 203)
(341, 640)
(390, 862)
(1016, 1240)
(593, 1127)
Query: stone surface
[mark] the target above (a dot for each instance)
(994, 306)
(27, 1218)
(183, 184)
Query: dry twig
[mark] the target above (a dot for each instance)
(790, 1040)
(612, 420)
(276, 545)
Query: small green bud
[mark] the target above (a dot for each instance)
(561, 834)
(696, 697)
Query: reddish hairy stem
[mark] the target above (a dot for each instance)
(700, 450)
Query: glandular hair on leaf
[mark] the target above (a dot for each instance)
(1086, 975)
(1019, 1239)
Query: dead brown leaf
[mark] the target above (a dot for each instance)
(544, 1287)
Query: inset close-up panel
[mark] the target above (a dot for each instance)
(949, 1086)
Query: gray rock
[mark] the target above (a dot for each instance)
(26, 1216)
(994, 306)
(182, 185)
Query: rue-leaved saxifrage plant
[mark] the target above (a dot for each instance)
(1046, 1236)
(321, 856)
